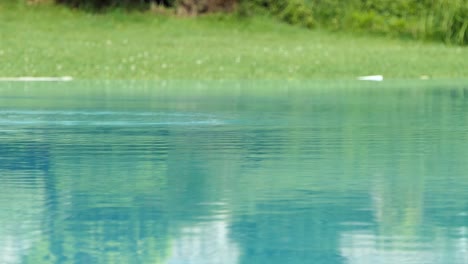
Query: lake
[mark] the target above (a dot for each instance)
(186, 172)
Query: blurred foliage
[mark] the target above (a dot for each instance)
(295, 12)
(195, 7)
(445, 20)
(98, 5)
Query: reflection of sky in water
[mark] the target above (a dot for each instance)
(364, 247)
(23, 205)
(206, 243)
(441, 245)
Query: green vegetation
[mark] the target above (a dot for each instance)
(49, 40)
(445, 20)
(442, 20)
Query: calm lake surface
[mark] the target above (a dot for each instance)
(234, 172)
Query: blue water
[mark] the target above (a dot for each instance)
(219, 172)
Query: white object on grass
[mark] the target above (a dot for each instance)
(36, 79)
(376, 78)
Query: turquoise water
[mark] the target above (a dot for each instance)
(219, 172)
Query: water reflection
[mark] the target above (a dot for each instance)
(23, 209)
(365, 247)
(231, 174)
(207, 242)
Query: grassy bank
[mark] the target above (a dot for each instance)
(46, 40)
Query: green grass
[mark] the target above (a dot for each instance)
(47, 40)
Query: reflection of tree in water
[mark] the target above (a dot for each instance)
(106, 202)
(24, 155)
(285, 232)
(273, 231)
(115, 234)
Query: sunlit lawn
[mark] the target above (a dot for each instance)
(55, 41)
